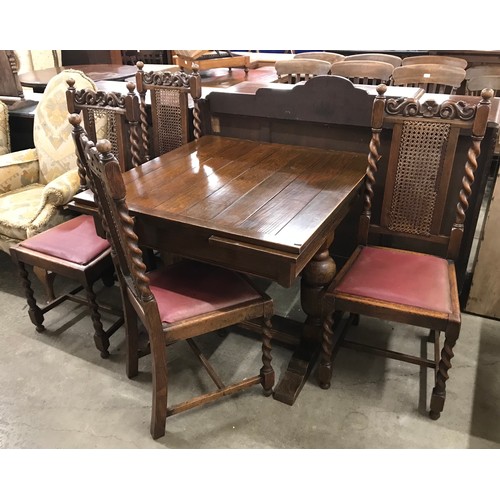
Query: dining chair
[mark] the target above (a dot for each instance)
(390, 281)
(330, 57)
(177, 302)
(73, 250)
(170, 94)
(376, 56)
(10, 85)
(433, 78)
(298, 70)
(363, 72)
(475, 84)
(456, 62)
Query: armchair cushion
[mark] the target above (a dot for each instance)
(4, 129)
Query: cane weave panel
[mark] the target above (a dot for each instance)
(169, 116)
(420, 158)
(103, 121)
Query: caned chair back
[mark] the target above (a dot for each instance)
(375, 56)
(424, 141)
(456, 62)
(297, 70)
(170, 116)
(112, 116)
(433, 78)
(330, 57)
(10, 85)
(363, 72)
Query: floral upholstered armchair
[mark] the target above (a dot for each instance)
(4, 129)
(35, 184)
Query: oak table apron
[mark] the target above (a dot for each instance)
(269, 210)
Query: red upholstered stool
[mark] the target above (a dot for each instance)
(74, 250)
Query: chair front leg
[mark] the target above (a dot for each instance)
(35, 313)
(325, 363)
(439, 392)
(267, 372)
(100, 338)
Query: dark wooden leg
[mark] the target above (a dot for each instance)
(35, 313)
(132, 339)
(315, 278)
(160, 380)
(100, 338)
(439, 392)
(267, 372)
(46, 278)
(325, 365)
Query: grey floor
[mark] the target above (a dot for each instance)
(57, 393)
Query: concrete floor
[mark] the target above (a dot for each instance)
(56, 391)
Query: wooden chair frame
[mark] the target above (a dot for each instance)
(376, 56)
(141, 305)
(456, 62)
(452, 118)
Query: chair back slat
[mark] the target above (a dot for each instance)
(300, 69)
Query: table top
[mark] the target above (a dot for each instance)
(40, 78)
(248, 205)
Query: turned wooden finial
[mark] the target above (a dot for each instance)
(104, 146)
(130, 87)
(381, 89)
(75, 119)
(487, 93)
(140, 65)
(70, 82)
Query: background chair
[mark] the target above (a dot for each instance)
(433, 78)
(456, 62)
(180, 301)
(170, 112)
(4, 129)
(374, 56)
(110, 115)
(10, 85)
(477, 83)
(330, 57)
(298, 70)
(482, 70)
(363, 72)
(388, 282)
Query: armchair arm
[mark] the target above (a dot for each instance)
(55, 194)
(18, 169)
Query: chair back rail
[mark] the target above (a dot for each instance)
(330, 57)
(297, 70)
(433, 78)
(375, 56)
(364, 72)
(456, 62)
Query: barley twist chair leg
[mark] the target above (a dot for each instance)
(267, 372)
